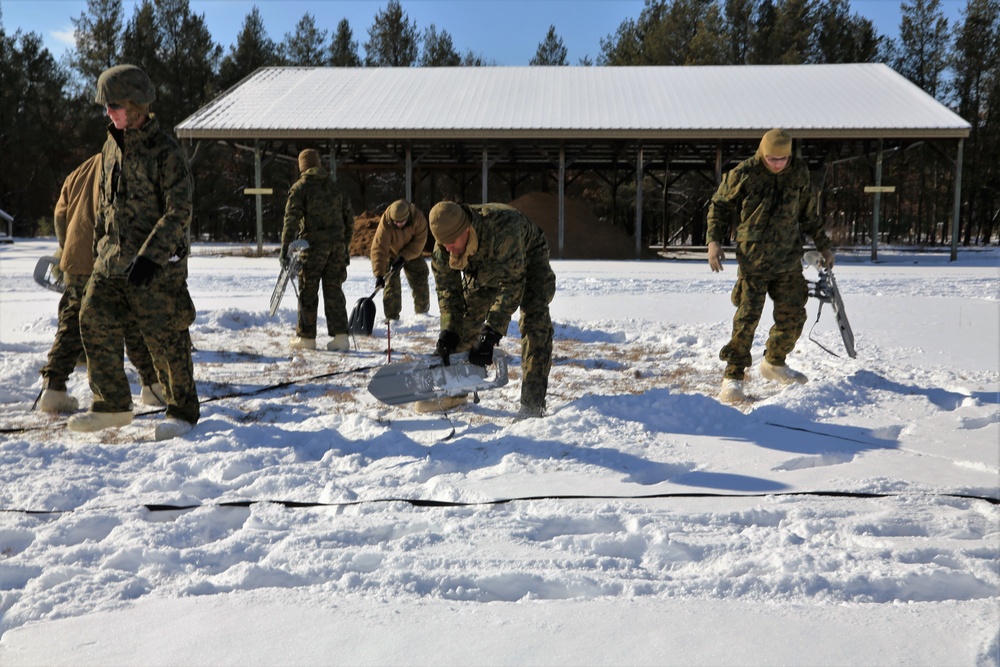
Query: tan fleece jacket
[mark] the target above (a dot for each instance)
(75, 215)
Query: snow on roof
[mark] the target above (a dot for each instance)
(812, 101)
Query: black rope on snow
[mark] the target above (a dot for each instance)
(427, 503)
(210, 399)
(825, 435)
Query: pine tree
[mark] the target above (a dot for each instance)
(141, 41)
(923, 44)
(253, 50)
(187, 60)
(344, 49)
(976, 63)
(98, 35)
(622, 49)
(738, 22)
(793, 28)
(707, 46)
(36, 138)
(551, 50)
(392, 39)
(439, 50)
(304, 45)
(842, 37)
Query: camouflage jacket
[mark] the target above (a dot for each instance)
(407, 241)
(774, 210)
(509, 243)
(145, 203)
(317, 211)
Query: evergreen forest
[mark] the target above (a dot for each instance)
(49, 123)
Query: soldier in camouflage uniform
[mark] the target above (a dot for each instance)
(320, 213)
(772, 194)
(74, 218)
(490, 260)
(402, 232)
(141, 248)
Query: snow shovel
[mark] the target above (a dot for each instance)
(362, 319)
(45, 277)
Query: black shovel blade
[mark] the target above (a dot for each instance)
(362, 319)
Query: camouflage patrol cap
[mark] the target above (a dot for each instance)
(124, 83)
(776, 143)
(308, 159)
(447, 221)
(399, 210)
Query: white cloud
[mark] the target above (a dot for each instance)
(65, 37)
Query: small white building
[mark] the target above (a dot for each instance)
(7, 231)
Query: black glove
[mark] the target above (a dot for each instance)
(481, 353)
(397, 264)
(141, 271)
(379, 282)
(283, 257)
(446, 346)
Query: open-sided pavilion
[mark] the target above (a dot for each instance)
(474, 123)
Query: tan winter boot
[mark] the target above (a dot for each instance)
(440, 404)
(172, 427)
(299, 343)
(339, 343)
(732, 391)
(89, 421)
(153, 395)
(54, 401)
(782, 374)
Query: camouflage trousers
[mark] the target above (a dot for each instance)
(68, 345)
(535, 325)
(162, 313)
(324, 263)
(789, 293)
(416, 275)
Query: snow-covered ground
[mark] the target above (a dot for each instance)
(851, 520)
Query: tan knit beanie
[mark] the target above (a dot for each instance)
(776, 143)
(308, 159)
(399, 210)
(447, 221)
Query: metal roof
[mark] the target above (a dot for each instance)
(848, 101)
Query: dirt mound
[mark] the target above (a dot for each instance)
(584, 236)
(364, 231)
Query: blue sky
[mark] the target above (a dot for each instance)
(506, 32)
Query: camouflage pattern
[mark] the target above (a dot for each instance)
(789, 293)
(124, 82)
(320, 213)
(163, 313)
(416, 275)
(68, 345)
(324, 263)
(146, 202)
(74, 219)
(391, 241)
(774, 210)
(145, 208)
(509, 270)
